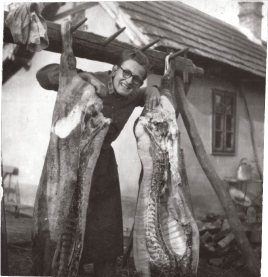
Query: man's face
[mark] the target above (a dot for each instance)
(125, 86)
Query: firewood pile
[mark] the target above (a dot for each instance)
(218, 246)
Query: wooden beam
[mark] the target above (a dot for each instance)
(220, 187)
(88, 46)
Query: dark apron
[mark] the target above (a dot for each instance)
(104, 227)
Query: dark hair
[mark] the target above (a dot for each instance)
(136, 55)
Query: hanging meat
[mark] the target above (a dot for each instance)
(166, 237)
(78, 130)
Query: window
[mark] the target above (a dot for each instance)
(223, 127)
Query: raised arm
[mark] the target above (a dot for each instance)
(48, 78)
(151, 97)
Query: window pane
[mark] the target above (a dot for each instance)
(229, 105)
(218, 121)
(229, 122)
(229, 140)
(218, 103)
(224, 118)
(218, 139)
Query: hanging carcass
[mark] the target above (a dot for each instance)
(78, 130)
(166, 237)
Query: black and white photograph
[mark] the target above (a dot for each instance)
(133, 138)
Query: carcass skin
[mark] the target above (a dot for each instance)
(166, 237)
(78, 130)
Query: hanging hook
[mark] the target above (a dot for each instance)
(142, 49)
(78, 24)
(172, 56)
(112, 37)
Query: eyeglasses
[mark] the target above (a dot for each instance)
(136, 80)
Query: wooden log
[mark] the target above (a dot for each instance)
(220, 187)
(212, 227)
(225, 225)
(210, 251)
(227, 240)
(88, 46)
(220, 235)
(206, 237)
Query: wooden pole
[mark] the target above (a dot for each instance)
(220, 187)
(252, 135)
(185, 183)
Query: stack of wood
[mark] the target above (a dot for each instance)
(218, 246)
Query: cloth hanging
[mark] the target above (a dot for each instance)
(28, 27)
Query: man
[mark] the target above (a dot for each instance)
(121, 93)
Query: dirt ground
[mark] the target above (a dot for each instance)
(19, 248)
(19, 243)
(19, 252)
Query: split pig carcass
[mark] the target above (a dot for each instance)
(78, 131)
(166, 236)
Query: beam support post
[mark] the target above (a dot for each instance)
(220, 187)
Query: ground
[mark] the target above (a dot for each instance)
(19, 252)
(19, 247)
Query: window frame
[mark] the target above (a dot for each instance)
(223, 150)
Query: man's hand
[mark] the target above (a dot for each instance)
(152, 98)
(101, 89)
